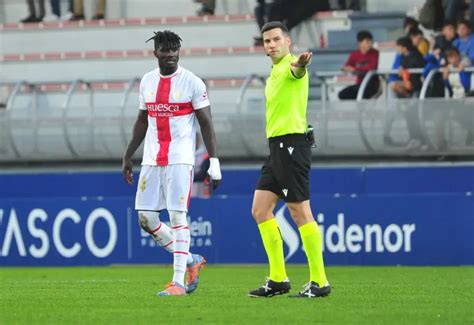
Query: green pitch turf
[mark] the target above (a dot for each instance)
(126, 295)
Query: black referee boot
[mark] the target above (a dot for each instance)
(271, 288)
(312, 290)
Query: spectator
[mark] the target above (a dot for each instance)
(409, 23)
(262, 10)
(208, 7)
(300, 10)
(454, 10)
(410, 58)
(418, 41)
(431, 15)
(290, 12)
(70, 12)
(79, 10)
(33, 17)
(444, 41)
(409, 86)
(293, 12)
(465, 41)
(353, 5)
(458, 83)
(366, 58)
(436, 59)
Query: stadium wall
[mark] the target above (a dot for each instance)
(368, 216)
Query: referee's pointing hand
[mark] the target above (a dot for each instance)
(303, 60)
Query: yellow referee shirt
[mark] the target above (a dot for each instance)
(286, 100)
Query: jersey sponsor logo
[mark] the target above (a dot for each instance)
(162, 107)
(169, 109)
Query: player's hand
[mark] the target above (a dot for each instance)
(214, 172)
(127, 170)
(303, 60)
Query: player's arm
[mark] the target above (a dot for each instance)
(204, 118)
(298, 68)
(139, 132)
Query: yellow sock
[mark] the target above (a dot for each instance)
(274, 247)
(311, 237)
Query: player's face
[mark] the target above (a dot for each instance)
(276, 44)
(167, 58)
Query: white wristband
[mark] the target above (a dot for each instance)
(214, 170)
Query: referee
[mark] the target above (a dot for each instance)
(285, 174)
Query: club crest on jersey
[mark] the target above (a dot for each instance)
(177, 95)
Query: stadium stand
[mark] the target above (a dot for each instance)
(106, 56)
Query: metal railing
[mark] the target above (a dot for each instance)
(342, 127)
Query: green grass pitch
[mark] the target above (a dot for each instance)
(126, 295)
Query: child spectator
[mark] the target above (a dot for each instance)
(418, 41)
(366, 58)
(465, 41)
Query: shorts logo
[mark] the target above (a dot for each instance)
(181, 200)
(285, 191)
(142, 184)
(290, 150)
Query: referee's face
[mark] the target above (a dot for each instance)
(276, 44)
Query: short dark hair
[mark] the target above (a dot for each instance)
(466, 22)
(274, 24)
(166, 40)
(364, 34)
(405, 42)
(449, 23)
(450, 51)
(410, 21)
(415, 31)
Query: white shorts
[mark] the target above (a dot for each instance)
(164, 187)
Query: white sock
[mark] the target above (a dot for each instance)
(159, 231)
(181, 240)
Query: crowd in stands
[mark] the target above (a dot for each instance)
(37, 11)
(451, 50)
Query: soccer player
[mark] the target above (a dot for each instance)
(285, 174)
(170, 100)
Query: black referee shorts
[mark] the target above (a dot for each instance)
(286, 171)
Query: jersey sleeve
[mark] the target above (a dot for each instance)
(290, 74)
(200, 99)
(141, 96)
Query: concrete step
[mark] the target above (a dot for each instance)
(131, 33)
(205, 62)
(224, 62)
(14, 10)
(105, 35)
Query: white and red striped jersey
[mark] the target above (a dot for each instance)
(171, 102)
